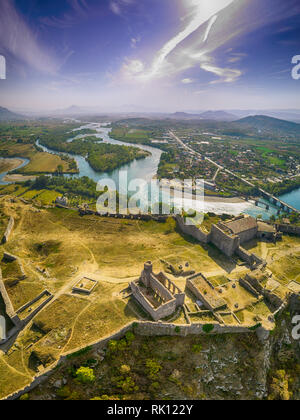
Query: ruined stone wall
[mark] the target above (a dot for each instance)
(38, 309)
(163, 311)
(140, 328)
(160, 288)
(225, 243)
(8, 231)
(248, 235)
(192, 231)
(245, 255)
(290, 229)
(8, 305)
(11, 258)
(244, 283)
(190, 285)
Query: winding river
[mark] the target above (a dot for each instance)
(146, 170)
(3, 174)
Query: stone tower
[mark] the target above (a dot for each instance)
(146, 274)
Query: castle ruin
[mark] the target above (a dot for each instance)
(158, 295)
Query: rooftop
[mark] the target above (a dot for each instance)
(241, 224)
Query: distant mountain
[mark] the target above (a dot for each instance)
(292, 115)
(218, 116)
(184, 116)
(209, 115)
(263, 123)
(6, 115)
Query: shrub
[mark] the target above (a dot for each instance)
(85, 375)
(196, 348)
(127, 385)
(255, 327)
(125, 369)
(130, 337)
(177, 330)
(153, 368)
(208, 328)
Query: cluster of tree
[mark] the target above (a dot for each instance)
(281, 188)
(84, 187)
(102, 157)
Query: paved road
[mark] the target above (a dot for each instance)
(221, 168)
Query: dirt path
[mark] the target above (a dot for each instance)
(73, 326)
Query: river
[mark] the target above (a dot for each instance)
(3, 174)
(146, 170)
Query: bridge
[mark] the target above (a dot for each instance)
(276, 201)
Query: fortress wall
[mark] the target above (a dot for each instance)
(245, 255)
(161, 329)
(38, 309)
(201, 275)
(273, 299)
(190, 285)
(8, 231)
(244, 283)
(8, 304)
(290, 229)
(158, 286)
(180, 298)
(193, 231)
(163, 311)
(11, 258)
(225, 243)
(248, 235)
(141, 328)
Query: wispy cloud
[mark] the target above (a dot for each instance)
(176, 55)
(117, 6)
(18, 40)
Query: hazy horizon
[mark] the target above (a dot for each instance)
(149, 55)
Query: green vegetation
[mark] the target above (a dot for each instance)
(85, 375)
(153, 372)
(102, 157)
(208, 328)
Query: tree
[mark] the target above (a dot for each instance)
(60, 169)
(85, 375)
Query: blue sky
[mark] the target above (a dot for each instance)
(164, 55)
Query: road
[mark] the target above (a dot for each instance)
(221, 168)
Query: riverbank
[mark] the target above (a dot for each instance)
(229, 200)
(18, 178)
(9, 164)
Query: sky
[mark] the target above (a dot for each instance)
(149, 55)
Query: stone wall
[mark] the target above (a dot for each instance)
(11, 258)
(225, 243)
(141, 328)
(192, 231)
(38, 309)
(252, 259)
(157, 286)
(162, 311)
(244, 283)
(8, 231)
(290, 229)
(248, 235)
